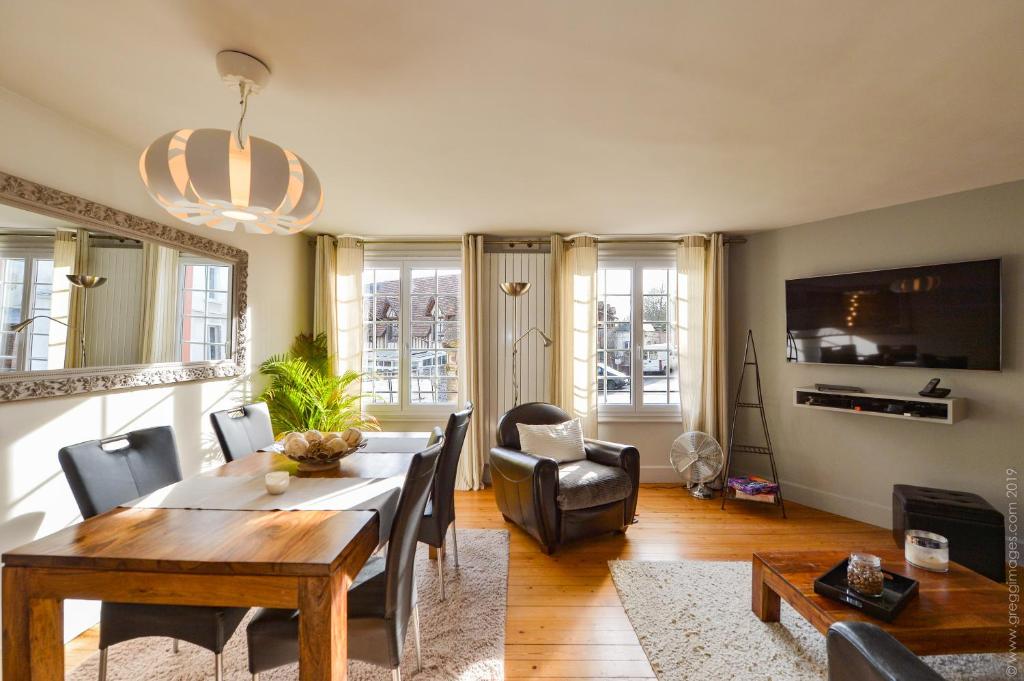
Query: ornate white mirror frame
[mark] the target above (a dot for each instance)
(38, 198)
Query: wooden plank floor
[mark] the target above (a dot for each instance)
(564, 616)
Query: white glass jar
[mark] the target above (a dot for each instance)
(926, 550)
(864, 574)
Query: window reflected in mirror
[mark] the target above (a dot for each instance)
(77, 297)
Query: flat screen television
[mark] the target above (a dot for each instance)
(935, 316)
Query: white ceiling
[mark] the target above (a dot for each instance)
(647, 116)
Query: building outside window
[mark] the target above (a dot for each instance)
(412, 320)
(205, 310)
(26, 289)
(637, 369)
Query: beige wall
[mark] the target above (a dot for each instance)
(845, 463)
(39, 145)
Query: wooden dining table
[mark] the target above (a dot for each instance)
(303, 560)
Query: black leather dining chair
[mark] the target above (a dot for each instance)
(381, 600)
(440, 512)
(244, 430)
(436, 433)
(105, 473)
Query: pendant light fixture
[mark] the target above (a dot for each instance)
(227, 179)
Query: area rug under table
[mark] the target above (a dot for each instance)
(463, 637)
(694, 621)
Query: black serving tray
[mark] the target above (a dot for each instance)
(898, 591)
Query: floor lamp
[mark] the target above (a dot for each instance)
(516, 290)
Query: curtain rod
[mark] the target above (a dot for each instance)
(609, 238)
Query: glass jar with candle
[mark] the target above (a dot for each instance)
(926, 550)
(864, 574)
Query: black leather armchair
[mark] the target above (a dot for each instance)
(860, 651)
(559, 503)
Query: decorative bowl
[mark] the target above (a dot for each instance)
(316, 451)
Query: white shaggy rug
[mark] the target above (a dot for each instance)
(463, 637)
(694, 621)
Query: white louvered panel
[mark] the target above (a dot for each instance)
(114, 317)
(502, 328)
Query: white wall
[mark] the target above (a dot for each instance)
(40, 145)
(847, 464)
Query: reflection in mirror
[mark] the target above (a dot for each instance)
(74, 297)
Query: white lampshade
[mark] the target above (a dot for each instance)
(205, 178)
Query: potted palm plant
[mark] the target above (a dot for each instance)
(308, 401)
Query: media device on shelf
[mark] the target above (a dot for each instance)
(932, 389)
(939, 316)
(833, 388)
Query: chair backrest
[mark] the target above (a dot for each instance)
(244, 430)
(531, 413)
(436, 433)
(443, 493)
(105, 473)
(405, 529)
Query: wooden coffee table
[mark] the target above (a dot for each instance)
(955, 612)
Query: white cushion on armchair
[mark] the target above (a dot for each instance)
(562, 442)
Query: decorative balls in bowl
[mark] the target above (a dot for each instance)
(315, 451)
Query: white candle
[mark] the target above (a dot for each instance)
(926, 550)
(276, 482)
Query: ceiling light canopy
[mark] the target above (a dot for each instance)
(226, 180)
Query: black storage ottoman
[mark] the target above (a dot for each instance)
(975, 530)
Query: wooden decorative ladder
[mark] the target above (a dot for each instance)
(765, 449)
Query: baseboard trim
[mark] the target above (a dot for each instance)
(848, 507)
(658, 474)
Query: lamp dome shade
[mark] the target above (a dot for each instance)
(204, 177)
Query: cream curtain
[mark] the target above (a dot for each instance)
(471, 363)
(348, 309)
(160, 304)
(325, 292)
(76, 303)
(700, 335)
(575, 376)
(60, 300)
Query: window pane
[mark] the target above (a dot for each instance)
(217, 304)
(194, 302)
(215, 352)
(656, 336)
(655, 281)
(617, 367)
(44, 271)
(424, 281)
(195, 276)
(13, 270)
(449, 282)
(618, 336)
(194, 352)
(655, 308)
(423, 307)
(448, 335)
(448, 307)
(618, 281)
(655, 364)
(216, 330)
(192, 329)
(616, 308)
(217, 278)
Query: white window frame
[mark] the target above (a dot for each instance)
(183, 262)
(636, 408)
(405, 408)
(30, 255)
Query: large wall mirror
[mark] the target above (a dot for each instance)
(92, 298)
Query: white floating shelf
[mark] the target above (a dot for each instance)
(947, 410)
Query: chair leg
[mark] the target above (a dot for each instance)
(174, 647)
(455, 544)
(416, 637)
(396, 674)
(103, 665)
(218, 667)
(440, 570)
